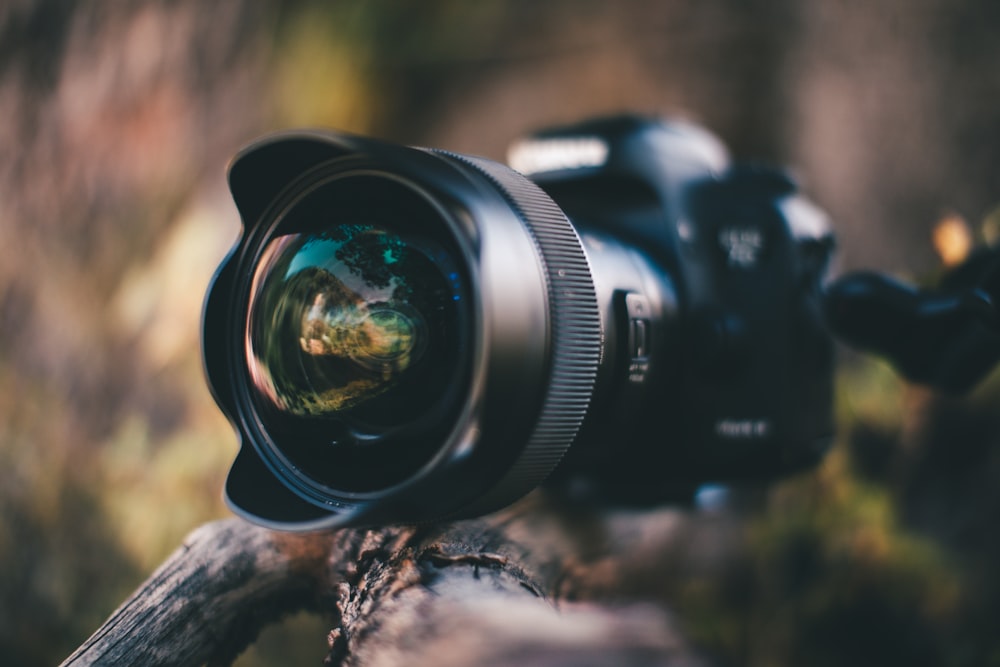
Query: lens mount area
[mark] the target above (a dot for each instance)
(399, 335)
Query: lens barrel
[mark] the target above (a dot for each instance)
(398, 335)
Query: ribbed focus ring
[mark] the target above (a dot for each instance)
(576, 323)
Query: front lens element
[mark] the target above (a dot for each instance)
(357, 335)
(340, 317)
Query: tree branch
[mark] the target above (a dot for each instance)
(502, 589)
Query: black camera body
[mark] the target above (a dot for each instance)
(734, 380)
(404, 335)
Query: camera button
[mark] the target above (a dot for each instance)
(639, 335)
(637, 338)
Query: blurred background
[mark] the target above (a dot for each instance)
(117, 121)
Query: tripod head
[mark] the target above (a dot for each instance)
(947, 337)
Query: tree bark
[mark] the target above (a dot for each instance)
(533, 585)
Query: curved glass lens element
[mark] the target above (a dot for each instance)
(339, 317)
(357, 333)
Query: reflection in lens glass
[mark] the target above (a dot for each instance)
(340, 318)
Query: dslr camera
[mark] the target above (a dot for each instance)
(405, 335)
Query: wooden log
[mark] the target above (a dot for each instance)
(532, 585)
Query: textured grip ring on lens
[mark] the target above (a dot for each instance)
(576, 329)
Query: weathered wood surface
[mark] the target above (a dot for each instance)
(534, 585)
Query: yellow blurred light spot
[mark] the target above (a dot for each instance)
(952, 239)
(991, 227)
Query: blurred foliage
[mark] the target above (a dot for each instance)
(322, 70)
(829, 577)
(874, 558)
(120, 117)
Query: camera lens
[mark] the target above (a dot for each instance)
(399, 335)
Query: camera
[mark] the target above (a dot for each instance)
(405, 335)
